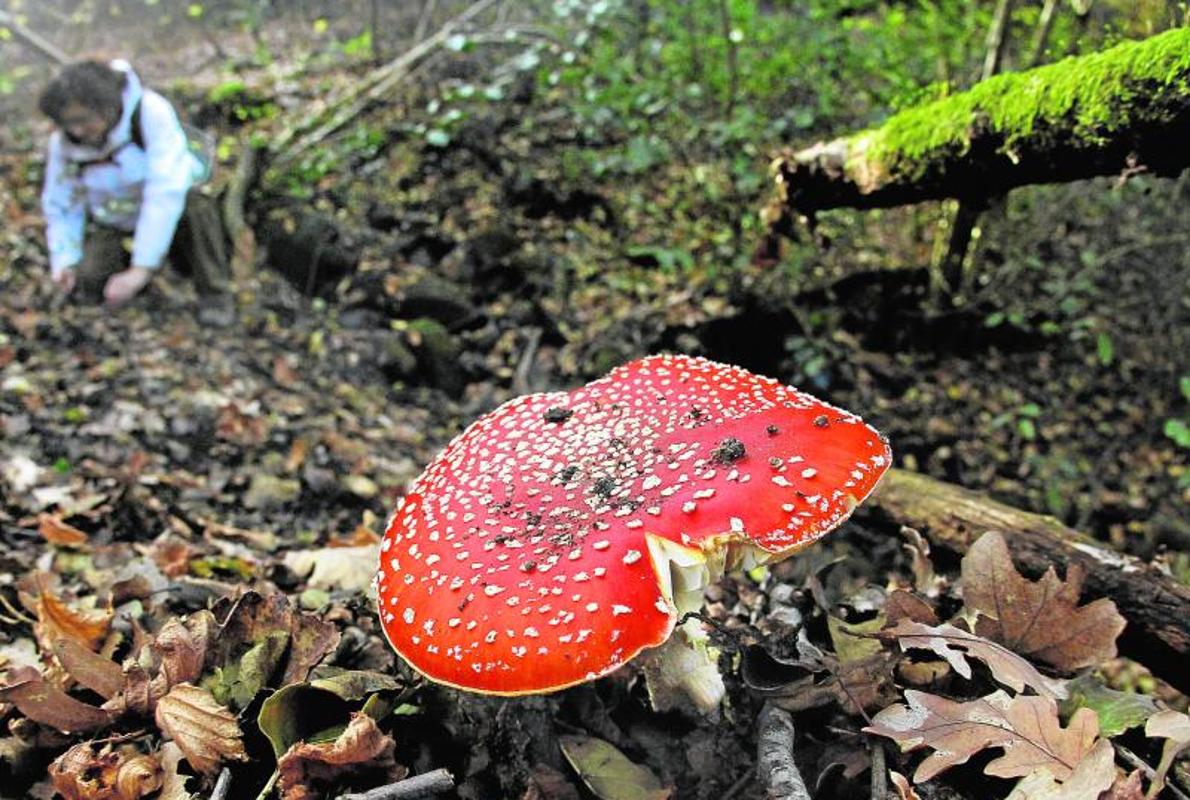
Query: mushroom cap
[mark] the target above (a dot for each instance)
(536, 551)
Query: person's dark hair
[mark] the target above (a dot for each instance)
(91, 84)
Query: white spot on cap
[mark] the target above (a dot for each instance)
(491, 590)
(737, 525)
(618, 610)
(408, 615)
(809, 472)
(632, 556)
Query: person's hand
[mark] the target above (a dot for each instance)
(124, 285)
(65, 280)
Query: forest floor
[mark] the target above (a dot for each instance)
(169, 466)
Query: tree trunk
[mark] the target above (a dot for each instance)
(1156, 605)
(1120, 110)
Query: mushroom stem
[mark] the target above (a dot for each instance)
(683, 670)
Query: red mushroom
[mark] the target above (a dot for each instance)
(562, 534)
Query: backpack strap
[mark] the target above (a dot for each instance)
(138, 133)
(138, 139)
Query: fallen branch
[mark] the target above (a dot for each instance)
(1099, 114)
(242, 237)
(427, 784)
(330, 117)
(33, 38)
(1156, 605)
(774, 755)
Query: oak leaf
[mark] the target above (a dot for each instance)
(1094, 774)
(1027, 728)
(205, 731)
(956, 645)
(1042, 619)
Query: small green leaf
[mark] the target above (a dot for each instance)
(321, 25)
(1026, 429)
(194, 11)
(608, 773)
(1179, 431)
(237, 682)
(1106, 349)
(309, 711)
(1118, 711)
(62, 465)
(851, 641)
(1184, 385)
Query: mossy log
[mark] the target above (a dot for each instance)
(1155, 604)
(1118, 111)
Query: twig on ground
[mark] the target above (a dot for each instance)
(1136, 762)
(33, 38)
(774, 755)
(427, 784)
(879, 783)
(222, 785)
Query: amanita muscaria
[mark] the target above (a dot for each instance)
(562, 534)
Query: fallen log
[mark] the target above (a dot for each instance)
(1155, 604)
(1122, 110)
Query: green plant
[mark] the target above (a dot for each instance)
(1178, 428)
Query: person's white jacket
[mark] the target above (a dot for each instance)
(142, 191)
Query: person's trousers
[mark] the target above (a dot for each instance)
(198, 249)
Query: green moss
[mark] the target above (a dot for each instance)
(1091, 96)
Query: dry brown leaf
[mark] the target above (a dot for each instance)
(547, 783)
(205, 731)
(59, 620)
(1094, 774)
(306, 769)
(181, 649)
(94, 771)
(1041, 619)
(43, 702)
(902, 786)
(101, 675)
(956, 645)
(901, 604)
(1126, 787)
(253, 617)
(1174, 726)
(362, 535)
(173, 783)
(234, 426)
(55, 531)
(1027, 728)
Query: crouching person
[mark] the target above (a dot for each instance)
(120, 163)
